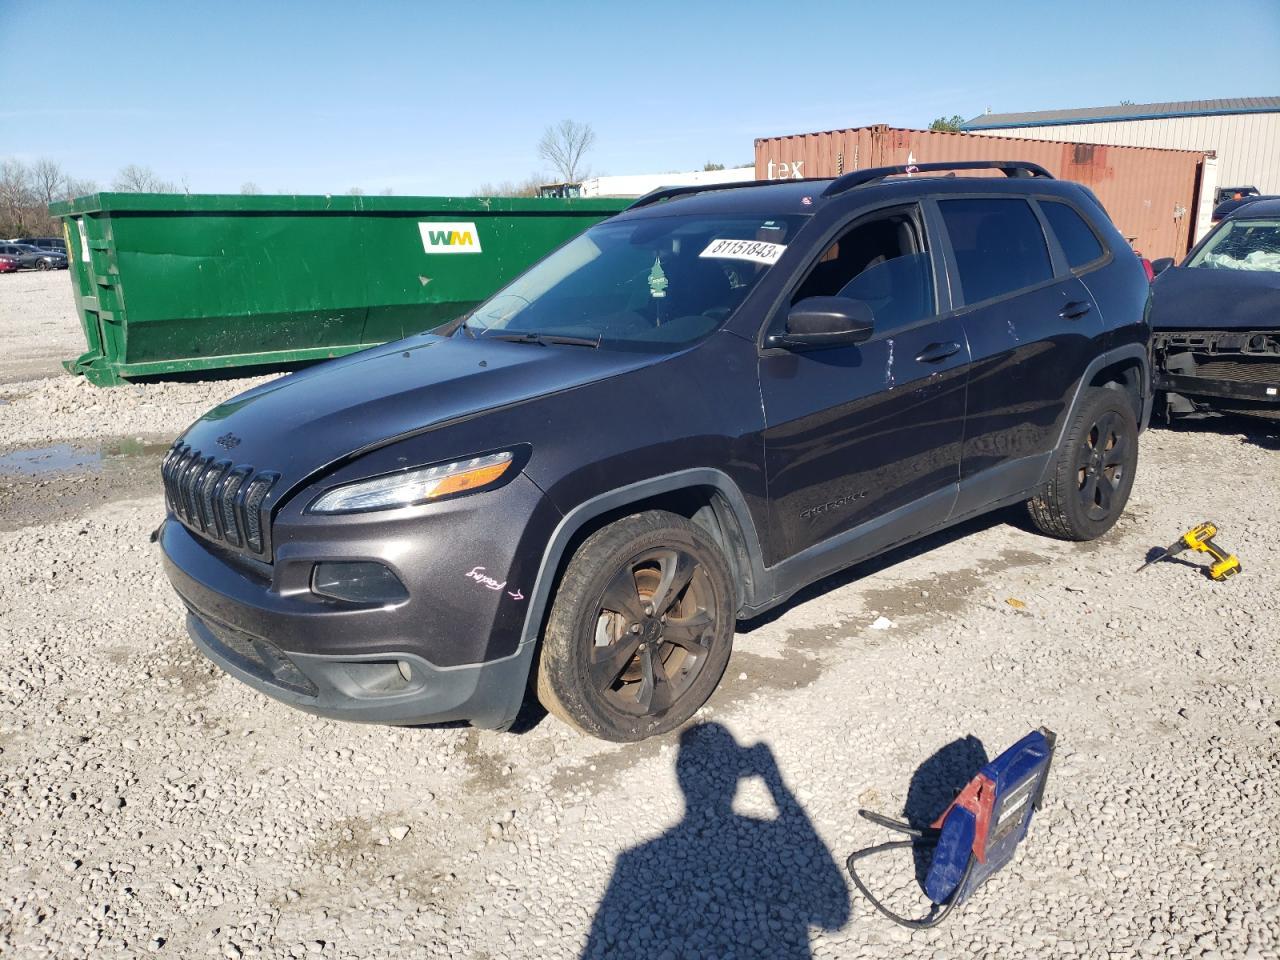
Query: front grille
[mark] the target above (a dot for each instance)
(1242, 370)
(218, 499)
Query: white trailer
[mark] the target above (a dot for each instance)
(638, 184)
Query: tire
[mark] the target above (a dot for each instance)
(1093, 470)
(617, 667)
(43, 265)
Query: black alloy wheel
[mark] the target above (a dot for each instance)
(1100, 464)
(1092, 473)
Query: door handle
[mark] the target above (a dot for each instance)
(937, 351)
(1075, 309)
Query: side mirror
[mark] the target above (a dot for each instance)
(819, 322)
(1160, 266)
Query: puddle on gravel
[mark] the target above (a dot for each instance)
(61, 480)
(74, 457)
(58, 458)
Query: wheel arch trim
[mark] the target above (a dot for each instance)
(588, 510)
(1129, 351)
(632, 493)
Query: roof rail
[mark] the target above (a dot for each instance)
(865, 178)
(857, 178)
(666, 193)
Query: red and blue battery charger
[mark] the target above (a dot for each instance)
(977, 834)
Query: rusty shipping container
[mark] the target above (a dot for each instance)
(1150, 193)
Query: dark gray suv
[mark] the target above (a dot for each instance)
(675, 421)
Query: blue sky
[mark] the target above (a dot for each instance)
(437, 98)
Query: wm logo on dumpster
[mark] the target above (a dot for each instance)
(450, 237)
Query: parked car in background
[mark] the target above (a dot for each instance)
(1223, 194)
(9, 264)
(1232, 204)
(56, 244)
(675, 421)
(33, 258)
(1216, 319)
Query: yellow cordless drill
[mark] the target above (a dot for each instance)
(1200, 539)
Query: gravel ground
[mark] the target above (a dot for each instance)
(151, 805)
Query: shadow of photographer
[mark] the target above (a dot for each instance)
(720, 884)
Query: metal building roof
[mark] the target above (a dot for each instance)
(1126, 111)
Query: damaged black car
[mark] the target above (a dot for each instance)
(1216, 320)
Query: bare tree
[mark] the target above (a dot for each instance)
(26, 192)
(249, 188)
(74, 187)
(564, 145)
(48, 180)
(386, 192)
(355, 192)
(528, 187)
(138, 179)
(17, 195)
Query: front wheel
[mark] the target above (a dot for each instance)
(43, 265)
(640, 630)
(1093, 470)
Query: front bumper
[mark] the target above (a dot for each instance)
(1228, 370)
(401, 689)
(451, 651)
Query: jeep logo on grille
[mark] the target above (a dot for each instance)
(228, 440)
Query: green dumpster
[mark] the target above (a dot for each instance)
(168, 283)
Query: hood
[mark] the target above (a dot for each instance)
(305, 422)
(1195, 298)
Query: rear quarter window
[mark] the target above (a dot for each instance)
(1076, 237)
(998, 244)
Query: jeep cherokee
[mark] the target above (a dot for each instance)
(677, 420)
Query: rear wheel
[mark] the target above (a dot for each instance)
(1093, 471)
(640, 630)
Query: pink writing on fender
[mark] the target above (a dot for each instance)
(479, 576)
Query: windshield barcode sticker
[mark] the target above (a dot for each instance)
(757, 251)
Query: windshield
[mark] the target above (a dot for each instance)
(649, 284)
(1242, 245)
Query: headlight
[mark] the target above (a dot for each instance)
(414, 486)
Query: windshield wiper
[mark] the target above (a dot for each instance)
(543, 339)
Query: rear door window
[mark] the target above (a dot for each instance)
(999, 246)
(1077, 239)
